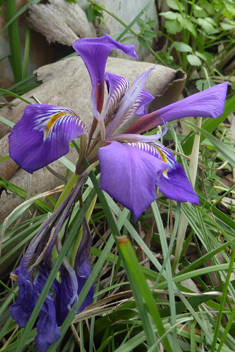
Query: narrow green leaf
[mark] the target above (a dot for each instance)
(26, 52)
(6, 121)
(225, 292)
(66, 162)
(226, 151)
(18, 13)
(14, 95)
(4, 158)
(132, 265)
(142, 42)
(134, 20)
(14, 40)
(209, 125)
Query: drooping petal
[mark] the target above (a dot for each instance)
(84, 246)
(66, 293)
(129, 175)
(83, 266)
(47, 328)
(84, 272)
(43, 135)
(131, 102)
(173, 182)
(209, 103)
(94, 52)
(21, 310)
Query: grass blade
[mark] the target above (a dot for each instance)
(132, 266)
(14, 40)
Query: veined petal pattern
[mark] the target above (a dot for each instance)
(173, 181)
(117, 87)
(95, 52)
(43, 134)
(129, 175)
(208, 103)
(129, 103)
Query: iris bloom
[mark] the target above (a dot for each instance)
(131, 165)
(35, 268)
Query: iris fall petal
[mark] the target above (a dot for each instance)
(173, 182)
(84, 272)
(24, 305)
(129, 175)
(43, 135)
(47, 329)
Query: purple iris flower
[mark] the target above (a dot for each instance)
(35, 268)
(131, 165)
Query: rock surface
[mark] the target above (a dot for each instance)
(60, 21)
(73, 22)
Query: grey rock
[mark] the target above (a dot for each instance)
(60, 21)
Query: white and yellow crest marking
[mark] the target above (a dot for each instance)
(53, 120)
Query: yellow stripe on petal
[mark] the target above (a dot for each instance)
(53, 120)
(162, 156)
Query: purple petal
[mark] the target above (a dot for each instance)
(42, 135)
(83, 266)
(117, 87)
(83, 274)
(84, 247)
(177, 186)
(173, 182)
(94, 52)
(209, 103)
(24, 305)
(131, 102)
(47, 328)
(132, 138)
(144, 100)
(66, 294)
(129, 175)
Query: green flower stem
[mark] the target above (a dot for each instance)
(68, 188)
(14, 40)
(26, 52)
